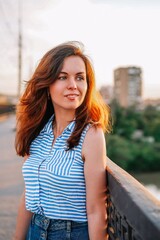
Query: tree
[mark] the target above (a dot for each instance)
(118, 150)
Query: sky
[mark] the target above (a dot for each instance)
(115, 34)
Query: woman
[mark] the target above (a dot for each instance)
(60, 125)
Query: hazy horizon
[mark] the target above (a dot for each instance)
(114, 35)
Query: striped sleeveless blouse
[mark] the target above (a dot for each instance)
(54, 177)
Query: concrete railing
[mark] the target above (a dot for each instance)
(133, 213)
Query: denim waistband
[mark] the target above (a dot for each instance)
(55, 224)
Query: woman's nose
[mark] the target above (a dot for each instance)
(72, 84)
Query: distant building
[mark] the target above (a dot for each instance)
(128, 86)
(7, 99)
(3, 99)
(151, 102)
(107, 93)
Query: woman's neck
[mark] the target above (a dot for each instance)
(61, 122)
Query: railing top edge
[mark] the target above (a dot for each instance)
(133, 186)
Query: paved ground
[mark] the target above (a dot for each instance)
(11, 181)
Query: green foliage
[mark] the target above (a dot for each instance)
(127, 120)
(130, 154)
(133, 156)
(151, 120)
(118, 150)
(156, 129)
(146, 158)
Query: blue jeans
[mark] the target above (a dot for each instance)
(42, 228)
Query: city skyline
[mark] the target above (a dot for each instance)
(115, 35)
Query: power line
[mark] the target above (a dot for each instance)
(6, 28)
(18, 23)
(19, 49)
(6, 18)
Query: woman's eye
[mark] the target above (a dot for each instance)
(62, 77)
(79, 78)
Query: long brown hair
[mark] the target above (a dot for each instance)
(35, 108)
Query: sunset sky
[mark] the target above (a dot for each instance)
(115, 34)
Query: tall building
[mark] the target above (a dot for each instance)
(128, 85)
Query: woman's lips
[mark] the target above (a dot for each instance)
(71, 96)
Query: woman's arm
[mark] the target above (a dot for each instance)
(23, 220)
(94, 153)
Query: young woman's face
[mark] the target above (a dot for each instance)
(69, 90)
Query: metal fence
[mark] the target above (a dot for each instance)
(133, 213)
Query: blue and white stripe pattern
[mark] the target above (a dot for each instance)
(54, 177)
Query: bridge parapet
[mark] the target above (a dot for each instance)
(133, 212)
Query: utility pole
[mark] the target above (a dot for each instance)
(19, 48)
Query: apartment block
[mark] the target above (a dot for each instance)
(128, 85)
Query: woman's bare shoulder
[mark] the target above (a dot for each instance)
(94, 142)
(94, 134)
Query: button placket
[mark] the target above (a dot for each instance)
(69, 228)
(46, 223)
(43, 235)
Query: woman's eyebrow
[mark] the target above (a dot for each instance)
(81, 73)
(63, 73)
(76, 73)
